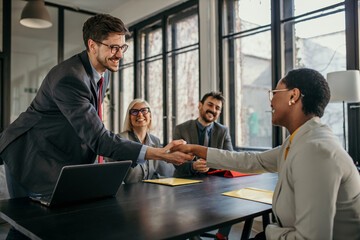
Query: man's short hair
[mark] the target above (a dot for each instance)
(216, 95)
(313, 87)
(100, 26)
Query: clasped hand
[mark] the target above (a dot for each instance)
(176, 157)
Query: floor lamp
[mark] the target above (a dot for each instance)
(344, 87)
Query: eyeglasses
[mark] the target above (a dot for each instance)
(136, 112)
(272, 92)
(115, 48)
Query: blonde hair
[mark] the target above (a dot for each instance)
(127, 124)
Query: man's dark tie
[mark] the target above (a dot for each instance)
(100, 83)
(206, 138)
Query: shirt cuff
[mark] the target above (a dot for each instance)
(192, 166)
(141, 157)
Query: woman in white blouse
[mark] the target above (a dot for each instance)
(318, 192)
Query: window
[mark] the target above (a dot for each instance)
(306, 33)
(183, 66)
(164, 68)
(305, 27)
(151, 73)
(126, 87)
(246, 41)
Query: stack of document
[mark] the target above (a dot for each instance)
(253, 194)
(172, 181)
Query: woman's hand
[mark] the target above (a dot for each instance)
(174, 157)
(197, 150)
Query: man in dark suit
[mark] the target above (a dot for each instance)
(63, 126)
(204, 131)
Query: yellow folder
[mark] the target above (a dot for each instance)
(172, 181)
(253, 194)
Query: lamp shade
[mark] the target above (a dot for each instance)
(344, 86)
(35, 15)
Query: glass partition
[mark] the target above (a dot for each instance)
(33, 54)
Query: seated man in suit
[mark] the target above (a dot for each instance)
(204, 131)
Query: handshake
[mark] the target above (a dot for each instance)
(176, 152)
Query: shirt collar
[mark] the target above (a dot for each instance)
(147, 142)
(201, 127)
(96, 75)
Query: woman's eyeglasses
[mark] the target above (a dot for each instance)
(136, 112)
(272, 92)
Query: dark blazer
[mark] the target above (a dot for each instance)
(61, 127)
(151, 169)
(219, 138)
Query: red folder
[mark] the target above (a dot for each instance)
(227, 173)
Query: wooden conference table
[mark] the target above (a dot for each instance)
(143, 211)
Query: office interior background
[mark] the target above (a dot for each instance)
(179, 50)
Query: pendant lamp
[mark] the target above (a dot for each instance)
(35, 15)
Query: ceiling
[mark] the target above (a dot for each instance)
(105, 6)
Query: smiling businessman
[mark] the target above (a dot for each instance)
(63, 125)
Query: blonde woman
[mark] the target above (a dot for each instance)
(137, 127)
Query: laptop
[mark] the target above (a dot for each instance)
(86, 182)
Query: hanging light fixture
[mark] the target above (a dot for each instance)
(35, 15)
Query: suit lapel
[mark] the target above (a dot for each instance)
(214, 136)
(194, 132)
(282, 164)
(86, 62)
(281, 176)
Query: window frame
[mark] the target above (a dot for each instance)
(163, 17)
(280, 8)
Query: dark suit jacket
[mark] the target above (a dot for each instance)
(219, 138)
(61, 127)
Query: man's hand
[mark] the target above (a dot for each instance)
(200, 165)
(174, 157)
(197, 150)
